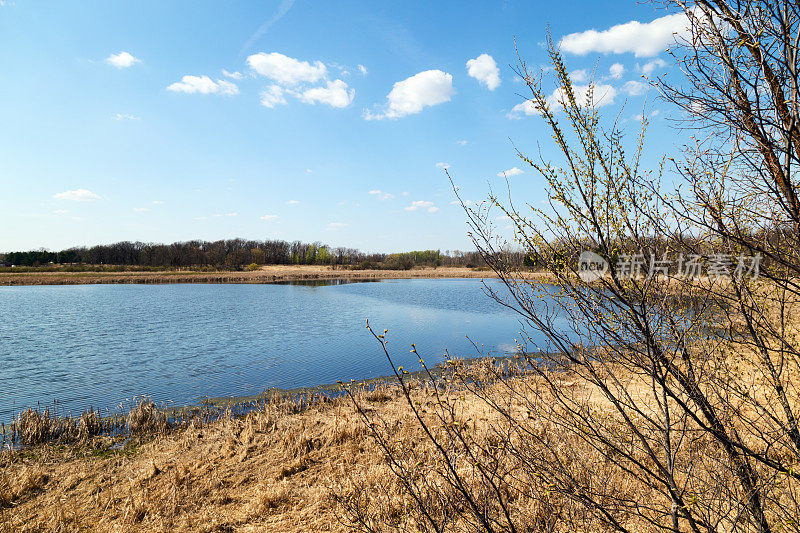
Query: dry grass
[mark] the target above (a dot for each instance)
(266, 274)
(271, 470)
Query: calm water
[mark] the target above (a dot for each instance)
(101, 345)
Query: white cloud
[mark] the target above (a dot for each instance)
(484, 69)
(642, 39)
(602, 95)
(122, 60)
(616, 70)
(579, 76)
(292, 202)
(336, 94)
(650, 66)
(268, 217)
(236, 75)
(640, 117)
(308, 170)
(457, 202)
(634, 88)
(286, 70)
(362, 69)
(444, 166)
(203, 85)
(381, 194)
(218, 215)
(422, 204)
(158, 202)
(272, 96)
(335, 225)
(125, 116)
(510, 172)
(78, 195)
(462, 142)
(410, 96)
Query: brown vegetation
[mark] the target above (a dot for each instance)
(265, 274)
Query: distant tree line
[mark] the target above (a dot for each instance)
(237, 253)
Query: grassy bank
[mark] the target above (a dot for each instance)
(287, 466)
(266, 274)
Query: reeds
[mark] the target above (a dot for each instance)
(37, 426)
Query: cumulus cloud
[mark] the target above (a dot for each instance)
(381, 195)
(579, 76)
(336, 94)
(412, 95)
(422, 204)
(484, 69)
(286, 70)
(236, 75)
(272, 96)
(616, 70)
(634, 88)
(297, 78)
(602, 95)
(642, 39)
(650, 66)
(78, 195)
(510, 172)
(122, 60)
(203, 85)
(268, 217)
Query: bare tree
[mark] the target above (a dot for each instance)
(665, 397)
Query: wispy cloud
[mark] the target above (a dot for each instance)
(203, 85)
(422, 204)
(268, 217)
(510, 172)
(443, 166)
(333, 226)
(381, 195)
(283, 8)
(125, 116)
(78, 195)
(292, 202)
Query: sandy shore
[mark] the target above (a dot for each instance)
(267, 274)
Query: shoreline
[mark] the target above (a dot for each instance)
(266, 274)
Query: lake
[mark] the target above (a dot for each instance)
(103, 345)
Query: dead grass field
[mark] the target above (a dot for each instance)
(273, 470)
(266, 274)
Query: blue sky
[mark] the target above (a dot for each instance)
(319, 121)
